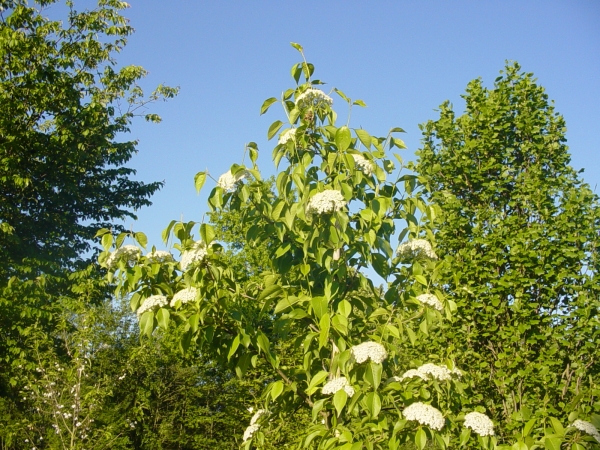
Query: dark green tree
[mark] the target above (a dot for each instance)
(63, 106)
(518, 234)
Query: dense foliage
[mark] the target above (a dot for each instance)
(519, 236)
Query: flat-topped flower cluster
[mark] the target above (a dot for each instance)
(196, 254)
(425, 415)
(587, 427)
(184, 296)
(228, 181)
(159, 256)
(417, 248)
(369, 350)
(129, 253)
(325, 202)
(479, 423)
(363, 164)
(431, 300)
(336, 384)
(152, 303)
(313, 97)
(431, 371)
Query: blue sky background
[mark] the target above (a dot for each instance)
(403, 58)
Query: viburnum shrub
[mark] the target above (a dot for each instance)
(338, 209)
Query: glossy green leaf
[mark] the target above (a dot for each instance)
(274, 128)
(266, 105)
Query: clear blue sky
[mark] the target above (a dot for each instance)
(403, 58)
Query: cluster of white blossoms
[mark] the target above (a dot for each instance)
(254, 426)
(313, 97)
(416, 248)
(250, 431)
(369, 350)
(479, 423)
(431, 300)
(229, 181)
(425, 415)
(286, 136)
(130, 253)
(332, 386)
(197, 253)
(326, 202)
(428, 371)
(363, 164)
(159, 256)
(151, 303)
(184, 296)
(587, 427)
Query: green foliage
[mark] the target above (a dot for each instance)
(518, 233)
(337, 209)
(63, 104)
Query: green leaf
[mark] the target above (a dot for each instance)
(276, 390)
(558, 428)
(420, 439)
(397, 130)
(234, 346)
(297, 47)
(552, 443)
(162, 317)
(373, 402)
(199, 181)
(341, 94)
(141, 239)
(464, 436)
(324, 325)
(266, 104)
(319, 305)
(274, 128)
(270, 292)
(339, 400)
(207, 233)
(345, 308)
(343, 138)
(316, 381)
(364, 137)
(147, 323)
(359, 103)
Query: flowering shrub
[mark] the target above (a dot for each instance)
(327, 220)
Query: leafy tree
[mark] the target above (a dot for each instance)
(519, 236)
(63, 105)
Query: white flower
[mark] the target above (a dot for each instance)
(416, 248)
(429, 371)
(286, 136)
(184, 296)
(412, 373)
(228, 181)
(130, 253)
(479, 423)
(425, 415)
(363, 164)
(196, 253)
(313, 97)
(257, 415)
(151, 303)
(159, 256)
(369, 350)
(431, 300)
(587, 427)
(250, 431)
(332, 386)
(325, 202)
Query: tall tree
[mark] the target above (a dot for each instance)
(63, 106)
(519, 236)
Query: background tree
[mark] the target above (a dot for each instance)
(518, 234)
(63, 105)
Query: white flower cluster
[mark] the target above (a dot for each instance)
(425, 415)
(253, 427)
(363, 164)
(416, 248)
(196, 253)
(428, 371)
(130, 253)
(332, 386)
(159, 256)
(250, 431)
(151, 303)
(431, 300)
(286, 136)
(369, 350)
(228, 181)
(479, 423)
(326, 202)
(184, 296)
(313, 97)
(587, 427)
